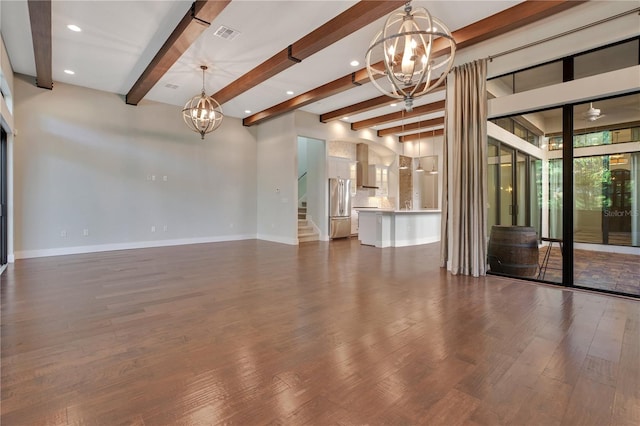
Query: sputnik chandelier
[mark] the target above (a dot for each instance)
(414, 46)
(202, 113)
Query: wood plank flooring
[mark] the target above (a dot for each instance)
(252, 333)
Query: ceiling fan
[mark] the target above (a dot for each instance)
(592, 113)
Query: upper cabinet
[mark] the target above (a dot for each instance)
(344, 168)
(379, 176)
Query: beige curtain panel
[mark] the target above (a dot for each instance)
(467, 191)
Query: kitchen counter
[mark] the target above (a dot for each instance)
(398, 228)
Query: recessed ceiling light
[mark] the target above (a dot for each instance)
(289, 92)
(345, 118)
(246, 111)
(74, 28)
(354, 63)
(393, 105)
(70, 72)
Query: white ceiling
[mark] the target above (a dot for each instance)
(119, 39)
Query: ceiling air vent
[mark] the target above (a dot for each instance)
(226, 33)
(171, 86)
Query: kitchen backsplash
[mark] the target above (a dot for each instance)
(342, 149)
(363, 198)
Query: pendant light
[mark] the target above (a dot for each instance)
(433, 171)
(410, 60)
(202, 113)
(403, 164)
(419, 169)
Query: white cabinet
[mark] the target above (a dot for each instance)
(354, 222)
(379, 176)
(344, 168)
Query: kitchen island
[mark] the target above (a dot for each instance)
(398, 228)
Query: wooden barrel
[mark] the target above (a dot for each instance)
(513, 250)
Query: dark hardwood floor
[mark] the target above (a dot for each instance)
(253, 332)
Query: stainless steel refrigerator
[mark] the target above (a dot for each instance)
(339, 207)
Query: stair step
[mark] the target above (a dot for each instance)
(305, 230)
(308, 237)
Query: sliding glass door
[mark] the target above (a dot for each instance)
(513, 187)
(606, 191)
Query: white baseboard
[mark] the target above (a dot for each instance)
(278, 239)
(61, 251)
(415, 242)
(11, 258)
(313, 225)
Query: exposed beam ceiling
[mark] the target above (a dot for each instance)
(417, 136)
(363, 106)
(40, 19)
(495, 25)
(195, 21)
(356, 17)
(399, 115)
(332, 88)
(411, 126)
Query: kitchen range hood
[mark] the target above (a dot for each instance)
(362, 175)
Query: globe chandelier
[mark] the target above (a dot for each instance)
(202, 113)
(414, 46)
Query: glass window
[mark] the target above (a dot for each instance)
(555, 198)
(604, 122)
(492, 175)
(540, 76)
(610, 58)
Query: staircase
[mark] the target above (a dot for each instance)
(305, 230)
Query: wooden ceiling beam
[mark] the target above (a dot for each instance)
(356, 17)
(399, 115)
(332, 88)
(197, 19)
(364, 106)
(411, 126)
(40, 20)
(422, 135)
(498, 24)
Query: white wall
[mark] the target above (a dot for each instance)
(309, 125)
(317, 186)
(84, 160)
(302, 156)
(277, 180)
